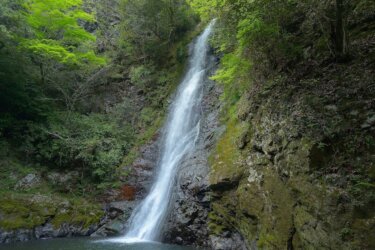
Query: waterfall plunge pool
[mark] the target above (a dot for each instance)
(88, 244)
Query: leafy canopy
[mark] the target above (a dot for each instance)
(58, 32)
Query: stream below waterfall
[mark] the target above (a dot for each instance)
(87, 244)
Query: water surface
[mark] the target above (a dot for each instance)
(87, 244)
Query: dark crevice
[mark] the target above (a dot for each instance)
(292, 232)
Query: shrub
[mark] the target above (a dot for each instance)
(93, 144)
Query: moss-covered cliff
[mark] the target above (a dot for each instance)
(295, 167)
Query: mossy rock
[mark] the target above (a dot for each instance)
(22, 212)
(80, 213)
(226, 161)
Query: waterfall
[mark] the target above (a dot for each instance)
(180, 134)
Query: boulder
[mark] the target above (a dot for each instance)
(20, 235)
(64, 181)
(234, 242)
(29, 181)
(117, 219)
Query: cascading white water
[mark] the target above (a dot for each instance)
(181, 132)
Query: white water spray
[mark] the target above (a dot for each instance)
(181, 133)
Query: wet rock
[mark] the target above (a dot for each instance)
(254, 176)
(113, 228)
(187, 222)
(20, 235)
(179, 240)
(29, 181)
(65, 230)
(224, 184)
(69, 230)
(117, 219)
(332, 108)
(138, 183)
(46, 231)
(235, 242)
(141, 171)
(127, 193)
(63, 181)
(370, 121)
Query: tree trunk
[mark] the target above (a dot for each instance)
(42, 73)
(340, 36)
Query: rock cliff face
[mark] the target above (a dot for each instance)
(187, 222)
(138, 183)
(294, 168)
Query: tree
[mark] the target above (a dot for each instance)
(150, 27)
(58, 35)
(340, 31)
(19, 95)
(60, 46)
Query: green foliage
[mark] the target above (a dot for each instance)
(93, 144)
(206, 9)
(50, 18)
(17, 92)
(50, 79)
(36, 38)
(57, 33)
(254, 30)
(11, 169)
(61, 111)
(234, 75)
(232, 68)
(150, 27)
(18, 97)
(142, 75)
(11, 19)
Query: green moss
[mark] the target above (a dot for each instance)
(257, 203)
(226, 161)
(214, 224)
(130, 157)
(77, 218)
(215, 229)
(78, 213)
(28, 211)
(21, 213)
(221, 218)
(267, 241)
(84, 217)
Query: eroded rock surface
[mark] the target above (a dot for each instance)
(188, 223)
(292, 169)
